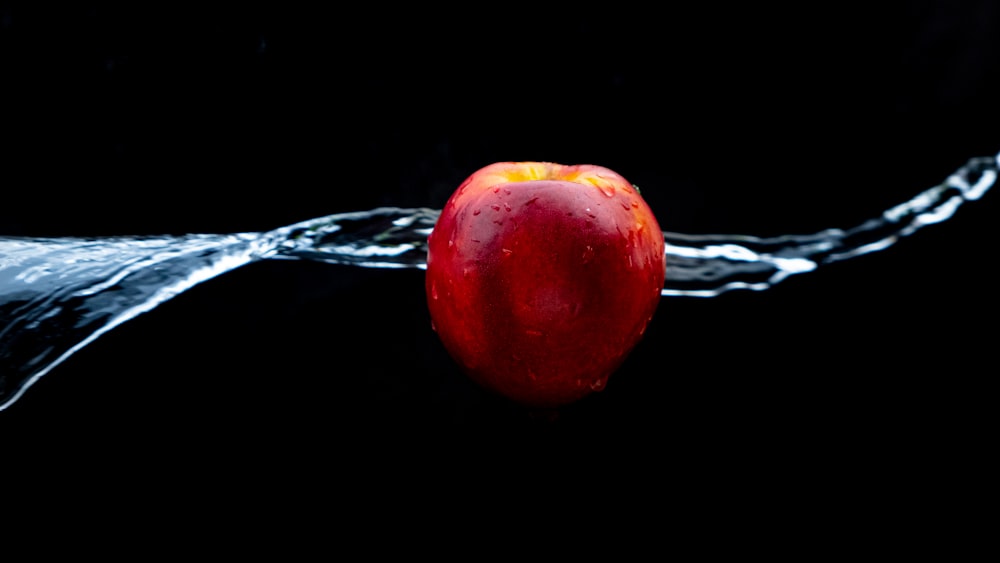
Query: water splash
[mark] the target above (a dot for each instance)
(57, 295)
(707, 265)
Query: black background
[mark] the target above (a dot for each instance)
(126, 120)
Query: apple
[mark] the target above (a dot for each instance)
(541, 278)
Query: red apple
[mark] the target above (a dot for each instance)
(541, 278)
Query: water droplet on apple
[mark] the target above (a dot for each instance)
(477, 212)
(597, 384)
(434, 291)
(506, 206)
(507, 252)
(588, 254)
(626, 206)
(496, 189)
(496, 207)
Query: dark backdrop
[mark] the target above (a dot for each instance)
(748, 120)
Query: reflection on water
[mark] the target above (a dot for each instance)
(59, 294)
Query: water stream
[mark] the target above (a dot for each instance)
(57, 295)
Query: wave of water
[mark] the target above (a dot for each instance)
(57, 295)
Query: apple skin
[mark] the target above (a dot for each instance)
(541, 278)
